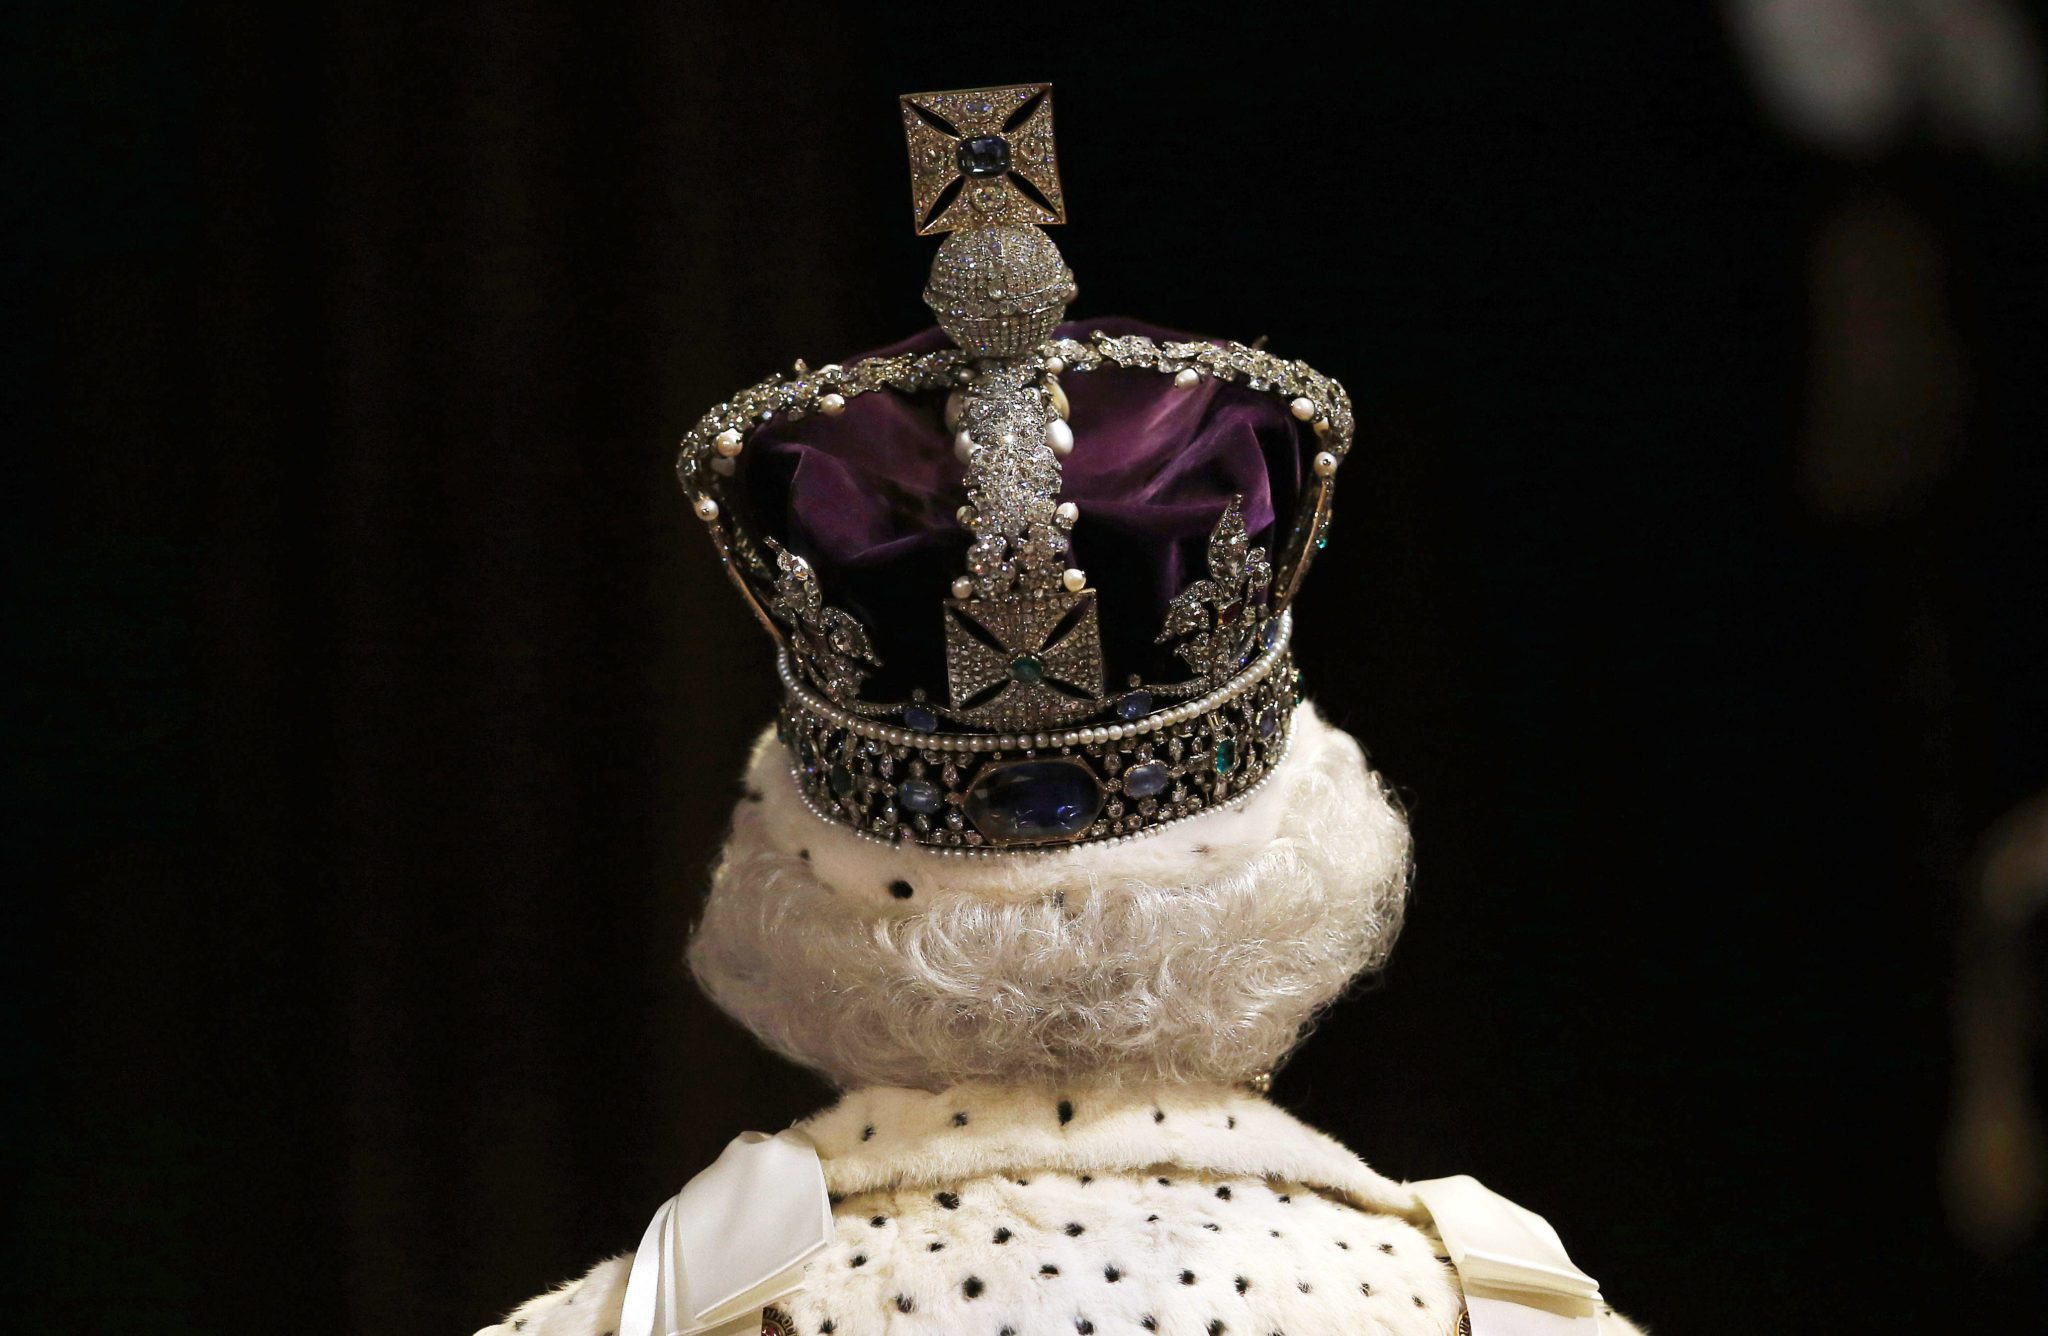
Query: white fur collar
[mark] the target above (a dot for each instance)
(889, 1137)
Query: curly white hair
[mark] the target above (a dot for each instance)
(1201, 953)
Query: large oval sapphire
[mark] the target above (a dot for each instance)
(1034, 802)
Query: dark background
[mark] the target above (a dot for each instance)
(379, 705)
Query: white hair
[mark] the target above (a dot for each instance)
(1200, 953)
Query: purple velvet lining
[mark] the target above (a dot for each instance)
(868, 498)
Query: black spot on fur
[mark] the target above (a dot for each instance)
(878, 1221)
(1003, 1235)
(1112, 1274)
(1084, 1326)
(960, 1118)
(755, 795)
(1223, 1192)
(1048, 1270)
(1158, 1115)
(1187, 1277)
(1149, 1323)
(868, 1133)
(934, 1247)
(804, 854)
(1075, 1229)
(827, 1327)
(1387, 1248)
(859, 1259)
(904, 1303)
(1066, 1112)
(1215, 1326)
(901, 889)
(1242, 1284)
(1304, 1287)
(949, 1200)
(971, 1287)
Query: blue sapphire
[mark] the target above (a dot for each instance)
(1133, 706)
(1034, 802)
(920, 718)
(1148, 780)
(983, 155)
(1269, 721)
(1271, 633)
(920, 796)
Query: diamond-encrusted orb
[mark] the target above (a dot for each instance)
(1148, 780)
(983, 155)
(998, 291)
(1034, 802)
(920, 796)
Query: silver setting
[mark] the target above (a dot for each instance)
(838, 653)
(1221, 616)
(999, 291)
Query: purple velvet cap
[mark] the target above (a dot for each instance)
(869, 499)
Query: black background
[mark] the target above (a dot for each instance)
(380, 705)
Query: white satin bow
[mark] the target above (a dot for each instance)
(732, 1241)
(1516, 1276)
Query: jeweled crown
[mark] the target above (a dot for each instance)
(909, 529)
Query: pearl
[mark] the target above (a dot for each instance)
(1055, 364)
(1058, 397)
(722, 466)
(1322, 426)
(1186, 377)
(962, 587)
(832, 405)
(954, 400)
(1067, 514)
(1060, 437)
(963, 446)
(966, 516)
(727, 442)
(1326, 464)
(1074, 579)
(707, 509)
(1302, 409)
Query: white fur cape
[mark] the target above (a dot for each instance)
(1119, 1211)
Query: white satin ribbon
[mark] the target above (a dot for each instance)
(1516, 1276)
(732, 1241)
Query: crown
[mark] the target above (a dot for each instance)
(909, 528)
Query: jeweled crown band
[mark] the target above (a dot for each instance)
(984, 793)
